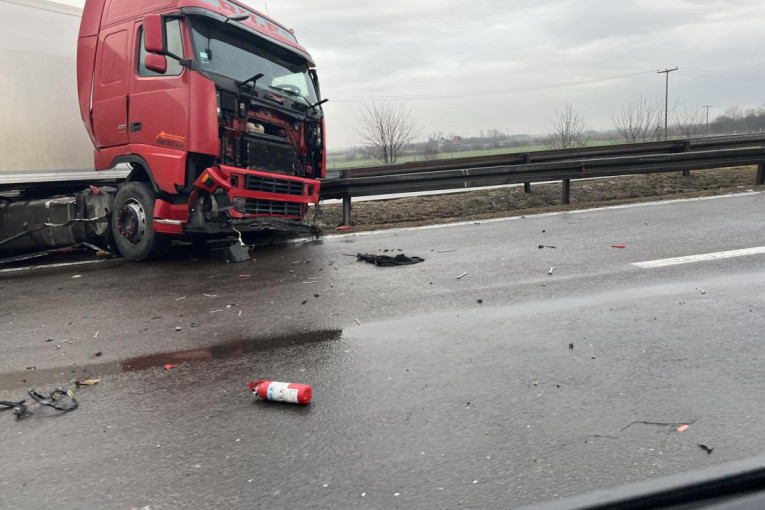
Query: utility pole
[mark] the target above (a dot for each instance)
(666, 97)
(708, 106)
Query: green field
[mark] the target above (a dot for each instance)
(338, 162)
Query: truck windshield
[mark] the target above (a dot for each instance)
(229, 51)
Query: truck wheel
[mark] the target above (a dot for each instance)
(132, 225)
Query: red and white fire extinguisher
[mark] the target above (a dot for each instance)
(281, 391)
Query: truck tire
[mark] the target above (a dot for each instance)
(132, 223)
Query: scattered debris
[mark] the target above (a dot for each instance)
(10, 405)
(210, 295)
(238, 252)
(461, 276)
(20, 409)
(551, 270)
(315, 294)
(96, 335)
(244, 276)
(706, 448)
(87, 382)
(683, 428)
(180, 298)
(358, 322)
(304, 301)
(77, 276)
(671, 425)
(215, 311)
(293, 393)
(480, 301)
(178, 328)
(306, 283)
(618, 246)
(31, 368)
(50, 339)
(387, 261)
(571, 345)
(443, 251)
(56, 399)
(169, 366)
(98, 354)
(702, 291)
(547, 246)
(343, 227)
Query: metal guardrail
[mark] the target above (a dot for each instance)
(545, 166)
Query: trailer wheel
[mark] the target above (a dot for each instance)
(132, 227)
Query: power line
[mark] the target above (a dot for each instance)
(486, 92)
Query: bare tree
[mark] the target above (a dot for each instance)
(430, 148)
(690, 123)
(640, 121)
(385, 130)
(568, 129)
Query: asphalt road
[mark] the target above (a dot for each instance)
(505, 387)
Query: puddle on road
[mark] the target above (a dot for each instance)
(31, 378)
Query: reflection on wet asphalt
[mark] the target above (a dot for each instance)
(33, 377)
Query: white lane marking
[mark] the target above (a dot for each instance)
(46, 266)
(747, 193)
(700, 258)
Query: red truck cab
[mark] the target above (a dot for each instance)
(215, 108)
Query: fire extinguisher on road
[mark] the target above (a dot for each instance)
(293, 393)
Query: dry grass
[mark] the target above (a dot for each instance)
(513, 201)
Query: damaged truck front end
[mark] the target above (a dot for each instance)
(225, 130)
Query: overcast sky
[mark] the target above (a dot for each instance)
(509, 64)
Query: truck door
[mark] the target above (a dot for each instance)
(110, 88)
(159, 103)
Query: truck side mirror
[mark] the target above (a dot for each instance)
(154, 33)
(156, 63)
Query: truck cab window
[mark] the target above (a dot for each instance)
(174, 46)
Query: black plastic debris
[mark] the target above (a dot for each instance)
(19, 408)
(237, 253)
(387, 261)
(706, 448)
(60, 399)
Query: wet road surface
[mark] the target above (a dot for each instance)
(424, 397)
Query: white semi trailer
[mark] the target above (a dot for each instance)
(46, 154)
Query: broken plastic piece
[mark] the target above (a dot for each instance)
(706, 448)
(461, 276)
(343, 227)
(237, 253)
(386, 261)
(618, 246)
(683, 428)
(169, 366)
(87, 382)
(54, 399)
(551, 270)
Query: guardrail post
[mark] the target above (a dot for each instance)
(347, 174)
(347, 211)
(527, 188)
(566, 191)
(760, 179)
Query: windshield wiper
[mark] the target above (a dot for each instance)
(311, 106)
